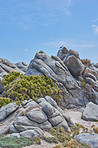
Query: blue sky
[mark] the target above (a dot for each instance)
(28, 26)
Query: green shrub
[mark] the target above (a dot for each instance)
(19, 87)
(50, 139)
(14, 142)
(4, 101)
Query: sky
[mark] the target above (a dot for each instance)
(28, 26)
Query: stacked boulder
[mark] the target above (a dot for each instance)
(54, 68)
(32, 118)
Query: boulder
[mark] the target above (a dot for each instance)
(62, 52)
(90, 113)
(22, 65)
(6, 110)
(90, 139)
(6, 66)
(74, 65)
(37, 115)
(36, 132)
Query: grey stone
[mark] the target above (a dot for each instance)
(90, 113)
(56, 120)
(32, 104)
(7, 110)
(51, 101)
(22, 120)
(64, 125)
(91, 76)
(32, 133)
(12, 129)
(37, 115)
(45, 126)
(73, 52)
(90, 139)
(74, 65)
(21, 65)
(68, 119)
(33, 71)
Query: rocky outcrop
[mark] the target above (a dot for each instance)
(6, 66)
(6, 110)
(32, 117)
(90, 139)
(22, 66)
(90, 113)
(72, 61)
(53, 67)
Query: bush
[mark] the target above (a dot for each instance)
(19, 87)
(4, 101)
(14, 142)
(85, 61)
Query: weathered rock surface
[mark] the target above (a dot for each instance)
(54, 68)
(7, 66)
(22, 65)
(74, 65)
(35, 117)
(7, 110)
(90, 113)
(90, 139)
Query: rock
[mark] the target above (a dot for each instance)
(96, 65)
(33, 71)
(6, 67)
(31, 104)
(37, 115)
(22, 65)
(73, 52)
(45, 126)
(92, 83)
(62, 52)
(55, 69)
(90, 113)
(90, 139)
(68, 119)
(51, 101)
(64, 125)
(13, 135)
(74, 65)
(91, 76)
(49, 110)
(22, 120)
(32, 133)
(12, 129)
(7, 110)
(56, 120)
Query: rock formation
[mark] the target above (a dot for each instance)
(67, 75)
(31, 118)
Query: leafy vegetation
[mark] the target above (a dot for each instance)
(66, 137)
(4, 101)
(14, 142)
(19, 87)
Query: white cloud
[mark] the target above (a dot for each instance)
(95, 28)
(71, 44)
(95, 20)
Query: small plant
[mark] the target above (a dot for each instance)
(85, 61)
(95, 129)
(83, 84)
(51, 139)
(37, 140)
(57, 146)
(4, 101)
